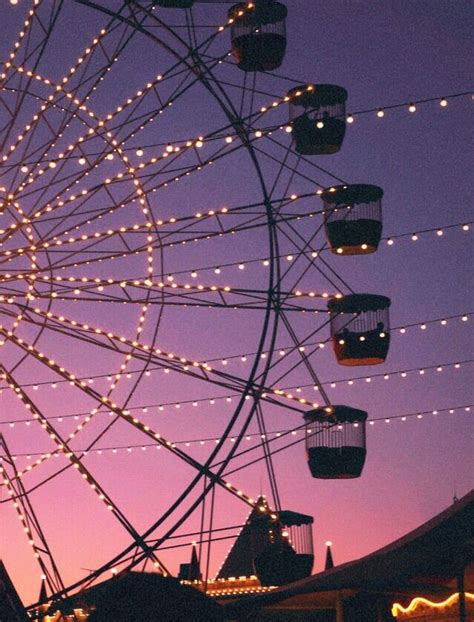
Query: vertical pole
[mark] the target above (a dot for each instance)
(462, 597)
(339, 608)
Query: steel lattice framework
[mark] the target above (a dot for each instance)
(121, 176)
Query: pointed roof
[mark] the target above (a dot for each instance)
(194, 568)
(43, 595)
(431, 555)
(11, 607)
(191, 571)
(329, 560)
(250, 541)
(254, 538)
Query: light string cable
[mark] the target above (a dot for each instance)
(160, 406)
(282, 351)
(266, 396)
(278, 434)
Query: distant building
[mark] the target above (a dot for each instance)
(427, 575)
(191, 571)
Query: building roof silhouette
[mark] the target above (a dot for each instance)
(428, 559)
(11, 607)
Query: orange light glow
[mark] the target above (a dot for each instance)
(419, 600)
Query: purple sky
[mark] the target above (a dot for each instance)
(384, 54)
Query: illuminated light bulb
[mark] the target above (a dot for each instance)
(82, 161)
(258, 134)
(390, 242)
(139, 153)
(229, 139)
(14, 2)
(288, 129)
(414, 237)
(443, 103)
(465, 227)
(110, 156)
(439, 232)
(464, 318)
(412, 108)
(350, 119)
(380, 113)
(319, 125)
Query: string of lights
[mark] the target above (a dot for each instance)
(420, 235)
(402, 330)
(63, 446)
(159, 407)
(272, 435)
(227, 135)
(72, 203)
(170, 148)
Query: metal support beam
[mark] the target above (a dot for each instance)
(462, 597)
(339, 608)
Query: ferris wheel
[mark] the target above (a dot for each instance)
(136, 279)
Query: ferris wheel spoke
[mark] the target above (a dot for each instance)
(143, 352)
(87, 191)
(77, 464)
(36, 53)
(298, 347)
(304, 358)
(104, 256)
(29, 520)
(63, 445)
(165, 182)
(306, 160)
(59, 231)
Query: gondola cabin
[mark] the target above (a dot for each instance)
(258, 35)
(318, 118)
(335, 442)
(287, 555)
(353, 218)
(360, 328)
(175, 4)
